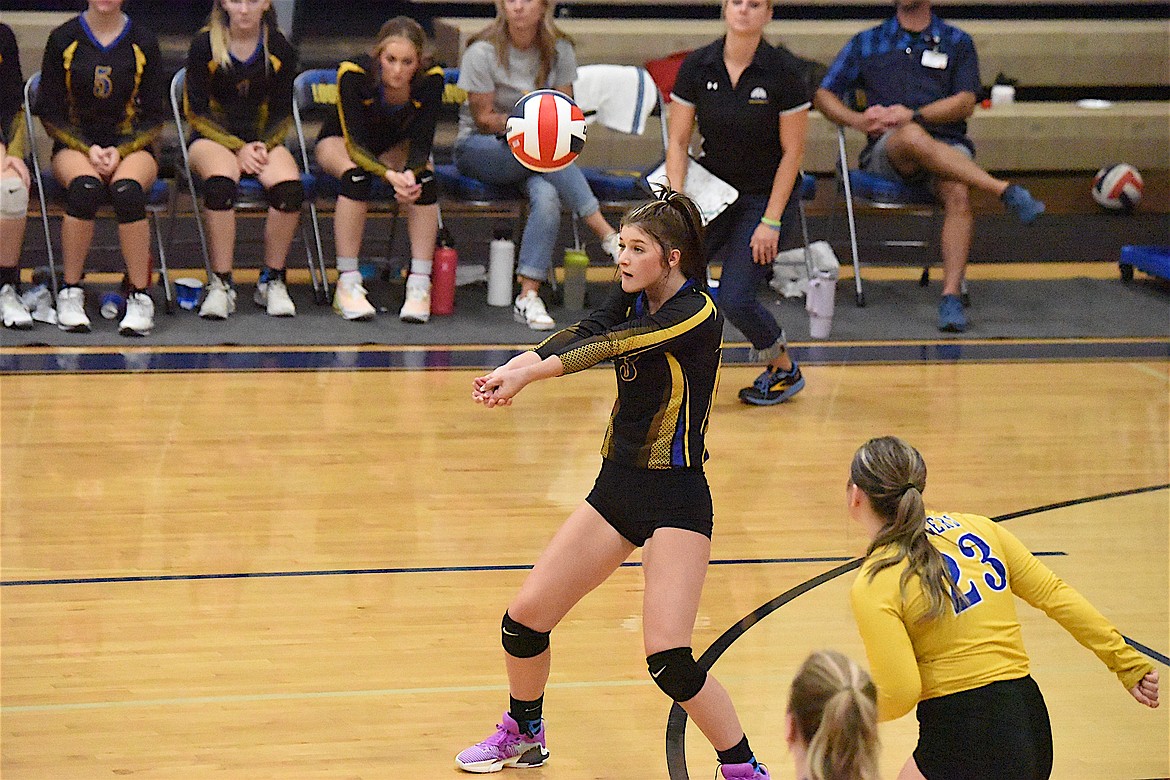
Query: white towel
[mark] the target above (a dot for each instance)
(620, 97)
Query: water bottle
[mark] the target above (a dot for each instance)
(113, 305)
(443, 275)
(576, 264)
(501, 269)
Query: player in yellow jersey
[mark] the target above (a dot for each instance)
(934, 604)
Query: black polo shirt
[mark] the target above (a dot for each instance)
(741, 126)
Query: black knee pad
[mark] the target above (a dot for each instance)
(128, 200)
(430, 189)
(676, 673)
(356, 184)
(84, 196)
(286, 196)
(219, 193)
(520, 641)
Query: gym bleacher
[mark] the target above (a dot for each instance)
(1057, 53)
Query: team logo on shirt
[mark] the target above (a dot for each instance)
(758, 95)
(627, 368)
(712, 85)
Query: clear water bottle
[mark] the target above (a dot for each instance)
(501, 269)
(576, 266)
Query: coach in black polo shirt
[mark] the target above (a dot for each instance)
(751, 101)
(920, 76)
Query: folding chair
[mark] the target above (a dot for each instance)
(881, 195)
(249, 197)
(160, 199)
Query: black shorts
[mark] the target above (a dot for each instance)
(999, 731)
(149, 149)
(383, 136)
(637, 501)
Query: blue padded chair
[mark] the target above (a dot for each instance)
(249, 197)
(160, 199)
(884, 195)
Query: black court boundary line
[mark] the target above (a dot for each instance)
(676, 721)
(387, 570)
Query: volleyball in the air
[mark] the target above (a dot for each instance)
(546, 130)
(1118, 187)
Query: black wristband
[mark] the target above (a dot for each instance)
(917, 117)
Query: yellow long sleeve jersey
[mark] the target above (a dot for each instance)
(979, 641)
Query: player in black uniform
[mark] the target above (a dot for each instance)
(664, 335)
(14, 182)
(103, 100)
(384, 128)
(238, 99)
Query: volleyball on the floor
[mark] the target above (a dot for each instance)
(546, 130)
(1118, 187)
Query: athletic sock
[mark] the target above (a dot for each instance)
(346, 264)
(420, 267)
(740, 753)
(527, 714)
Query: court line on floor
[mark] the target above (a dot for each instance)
(676, 721)
(386, 570)
(33, 361)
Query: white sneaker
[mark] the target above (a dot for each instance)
(273, 296)
(349, 297)
(71, 310)
(417, 306)
(12, 309)
(38, 301)
(139, 319)
(530, 310)
(219, 301)
(611, 245)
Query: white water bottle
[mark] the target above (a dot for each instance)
(501, 269)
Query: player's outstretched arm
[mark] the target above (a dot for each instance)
(500, 386)
(1146, 691)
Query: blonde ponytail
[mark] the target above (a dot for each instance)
(833, 702)
(892, 475)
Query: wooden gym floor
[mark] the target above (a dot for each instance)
(216, 569)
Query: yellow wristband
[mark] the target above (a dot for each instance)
(772, 223)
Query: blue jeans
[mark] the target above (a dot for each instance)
(729, 239)
(489, 159)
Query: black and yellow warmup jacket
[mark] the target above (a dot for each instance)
(245, 101)
(370, 125)
(12, 130)
(667, 366)
(105, 95)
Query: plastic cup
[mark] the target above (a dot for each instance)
(187, 292)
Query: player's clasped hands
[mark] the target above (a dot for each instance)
(253, 158)
(489, 390)
(1146, 691)
(406, 189)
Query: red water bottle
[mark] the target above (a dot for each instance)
(443, 275)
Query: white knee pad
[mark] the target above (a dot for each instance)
(13, 199)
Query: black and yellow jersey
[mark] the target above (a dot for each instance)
(980, 640)
(245, 101)
(105, 95)
(667, 366)
(12, 130)
(371, 125)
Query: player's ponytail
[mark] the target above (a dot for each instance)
(833, 707)
(892, 475)
(675, 222)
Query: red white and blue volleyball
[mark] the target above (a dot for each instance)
(546, 130)
(1118, 187)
